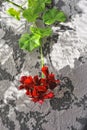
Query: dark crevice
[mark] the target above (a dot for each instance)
(18, 54)
(4, 116)
(4, 75)
(66, 101)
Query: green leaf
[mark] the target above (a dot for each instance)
(29, 42)
(14, 13)
(30, 3)
(48, 1)
(53, 15)
(37, 5)
(43, 32)
(33, 3)
(34, 10)
(30, 15)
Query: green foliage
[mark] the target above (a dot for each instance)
(47, 1)
(32, 41)
(53, 15)
(36, 9)
(29, 42)
(30, 15)
(43, 32)
(14, 13)
(33, 3)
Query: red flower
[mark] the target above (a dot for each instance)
(49, 95)
(29, 93)
(45, 70)
(36, 80)
(42, 97)
(23, 79)
(21, 87)
(38, 88)
(52, 83)
(27, 82)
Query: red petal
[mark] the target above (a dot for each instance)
(52, 85)
(43, 82)
(23, 78)
(35, 93)
(28, 93)
(51, 76)
(34, 99)
(41, 88)
(27, 87)
(21, 87)
(28, 80)
(36, 80)
(45, 70)
(49, 95)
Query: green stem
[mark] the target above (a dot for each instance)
(41, 52)
(42, 59)
(15, 4)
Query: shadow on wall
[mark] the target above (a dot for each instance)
(69, 7)
(65, 102)
(11, 40)
(33, 119)
(76, 75)
(85, 127)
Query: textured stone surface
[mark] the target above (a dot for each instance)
(66, 56)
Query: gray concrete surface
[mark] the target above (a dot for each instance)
(66, 56)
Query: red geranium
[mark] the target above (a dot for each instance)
(50, 78)
(39, 88)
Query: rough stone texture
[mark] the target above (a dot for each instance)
(66, 56)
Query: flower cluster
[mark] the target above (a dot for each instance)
(39, 89)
